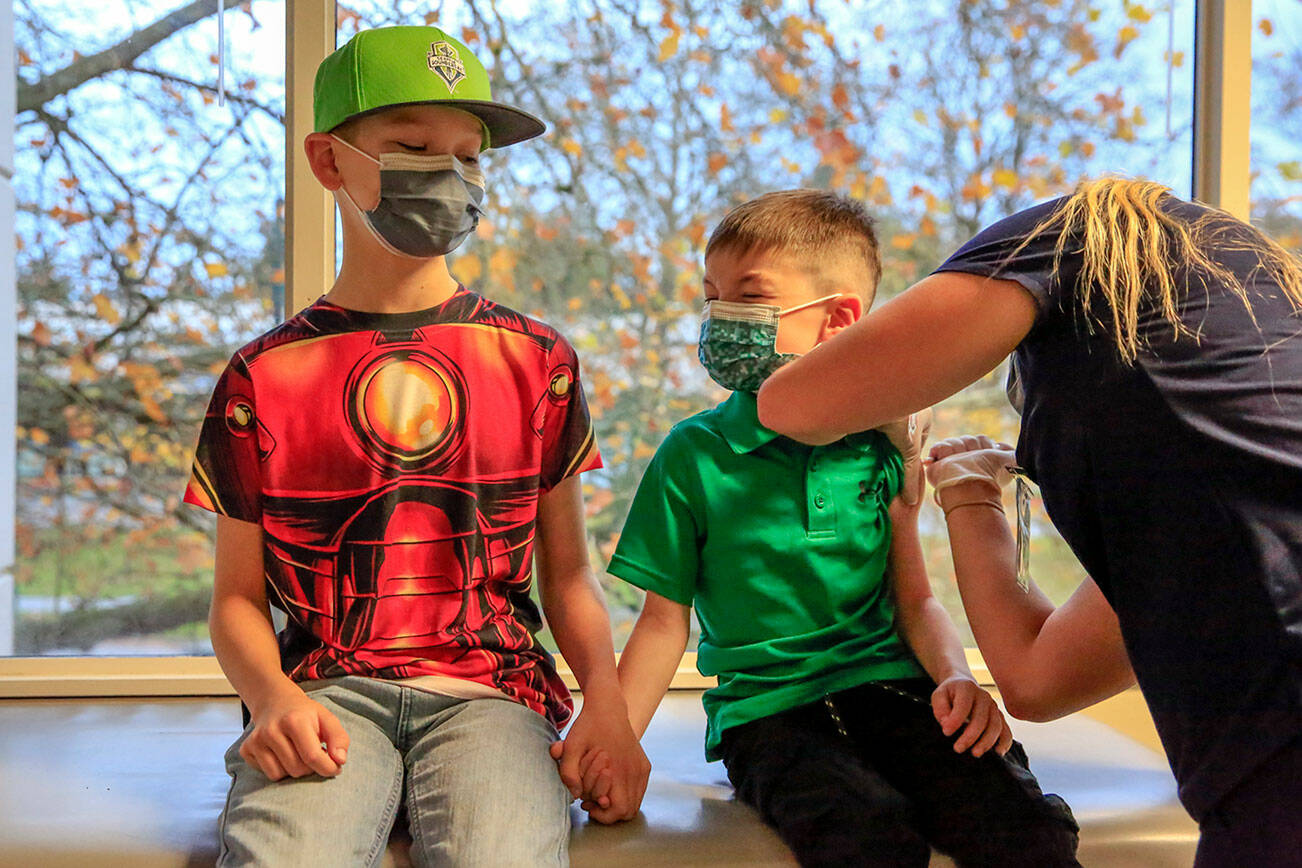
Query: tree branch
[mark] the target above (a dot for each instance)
(122, 55)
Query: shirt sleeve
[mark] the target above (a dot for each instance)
(226, 477)
(1002, 250)
(659, 548)
(569, 443)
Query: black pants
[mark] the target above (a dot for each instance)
(1259, 822)
(867, 777)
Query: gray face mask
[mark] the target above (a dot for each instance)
(428, 204)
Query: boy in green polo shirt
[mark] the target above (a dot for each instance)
(845, 711)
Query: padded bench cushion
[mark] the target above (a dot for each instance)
(139, 783)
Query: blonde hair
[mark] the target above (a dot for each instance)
(1133, 249)
(813, 225)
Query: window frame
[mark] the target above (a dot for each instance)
(1221, 176)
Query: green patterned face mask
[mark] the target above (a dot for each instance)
(738, 342)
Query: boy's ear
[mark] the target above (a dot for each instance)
(845, 312)
(320, 148)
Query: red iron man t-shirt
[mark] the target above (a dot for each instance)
(394, 462)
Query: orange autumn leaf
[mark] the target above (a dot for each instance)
(717, 162)
(105, 309)
(668, 47)
(152, 409)
(1125, 36)
(840, 98)
(787, 83)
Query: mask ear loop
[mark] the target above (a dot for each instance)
(352, 147)
(810, 303)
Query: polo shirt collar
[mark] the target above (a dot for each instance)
(738, 420)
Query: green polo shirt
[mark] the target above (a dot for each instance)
(781, 548)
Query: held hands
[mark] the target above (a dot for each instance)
(959, 699)
(968, 470)
(294, 736)
(601, 762)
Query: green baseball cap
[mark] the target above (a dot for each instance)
(394, 66)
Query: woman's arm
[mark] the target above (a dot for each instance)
(945, 332)
(1046, 661)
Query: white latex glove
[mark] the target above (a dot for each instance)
(972, 458)
(909, 435)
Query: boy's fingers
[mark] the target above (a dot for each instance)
(569, 772)
(265, 761)
(1005, 741)
(333, 736)
(994, 732)
(960, 707)
(557, 749)
(940, 707)
(591, 767)
(976, 726)
(306, 741)
(286, 754)
(600, 790)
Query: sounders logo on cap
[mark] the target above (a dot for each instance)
(444, 60)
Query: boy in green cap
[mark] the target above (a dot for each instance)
(845, 712)
(381, 465)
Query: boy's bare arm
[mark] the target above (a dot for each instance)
(576, 611)
(651, 657)
(289, 728)
(930, 632)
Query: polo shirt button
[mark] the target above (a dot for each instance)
(819, 501)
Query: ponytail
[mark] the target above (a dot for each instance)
(1133, 249)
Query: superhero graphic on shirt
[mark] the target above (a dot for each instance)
(394, 462)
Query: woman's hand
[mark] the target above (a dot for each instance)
(909, 435)
(969, 469)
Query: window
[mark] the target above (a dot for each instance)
(149, 245)
(1276, 118)
(943, 118)
(150, 228)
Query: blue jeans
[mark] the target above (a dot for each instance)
(476, 777)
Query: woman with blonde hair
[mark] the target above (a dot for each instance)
(1157, 359)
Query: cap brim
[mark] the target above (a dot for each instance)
(505, 125)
